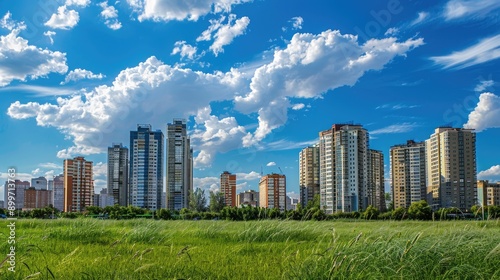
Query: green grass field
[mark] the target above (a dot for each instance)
(146, 249)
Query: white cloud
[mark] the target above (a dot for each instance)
(40, 90)
(214, 25)
(395, 128)
(36, 172)
(283, 145)
(297, 22)
(80, 74)
(184, 49)
(225, 33)
(7, 22)
(159, 10)
(484, 51)
(483, 85)
(299, 106)
(455, 9)
(19, 60)
(309, 66)
(215, 135)
(422, 16)
(396, 106)
(80, 3)
(51, 165)
(272, 163)
(100, 169)
(392, 31)
(64, 19)
(207, 184)
(493, 174)
(247, 176)
(110, 14)
(50, 34)
(486, 114)
(152, 90)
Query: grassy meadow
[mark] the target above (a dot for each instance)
(270, 249)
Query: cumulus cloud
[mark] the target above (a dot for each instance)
(422, 16)
(456, 9)
(64, 19)
(272, 163)
(486, 50)
(110, 15)
(223, 34)
(80, 74)
(493, 173)
(19, 60)
(252, 175)
(152, 90)
(207, 184)
(486, 114)
(7, 22)
(184, 49)
(215, 135)
(298, 106)
(159, 10)
(79, 3)
(309, 66)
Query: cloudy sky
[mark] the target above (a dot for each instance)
(256, 79)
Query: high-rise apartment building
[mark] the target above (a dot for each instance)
(451, 168)
(39, 183)
(249, 197)
(309, 173)
(146, 167)
(408, 177)
(118, 174)
(18, 190)
(377, 184)
(344, 169)
(78, 184)
(58, 192)
(488, 194)
(228, 188)
(272, 191)
(179, 165)
(36, 198)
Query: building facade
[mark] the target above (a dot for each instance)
(179, 165)
(249, 197)
(18, 190)
(78, 184)
(309, 173)
(344, 169)
(408, 175)
(377, 180)
(118, 174)
(272, 191)
(488, 194)
(146, 167)
(39, 183)
(36, 198)
(58, 192)
(451, 168)
(228, 188)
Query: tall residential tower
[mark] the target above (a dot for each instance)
(118, 174)
(451, 168)
(146, 167)
(228, 188)
(78, 184)
(308, 174)
(179, 165)
(272, 191)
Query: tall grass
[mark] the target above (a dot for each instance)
(145, 249)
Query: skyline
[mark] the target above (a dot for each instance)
(253, 80)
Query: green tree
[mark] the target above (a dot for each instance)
(420, 210)
(371, 213)
(216, 201)
(315, 203)
(399, 213)
(197, 200)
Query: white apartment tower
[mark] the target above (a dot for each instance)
(344, 168)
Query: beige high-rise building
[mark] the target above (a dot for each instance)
(344, 169)
(272, 191)
(308, 174)
(377, 185)
(488, 194)
(451, 168)
(408, 177)
(78, 184)
(228, 188)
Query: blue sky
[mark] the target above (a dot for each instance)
(256, 80)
